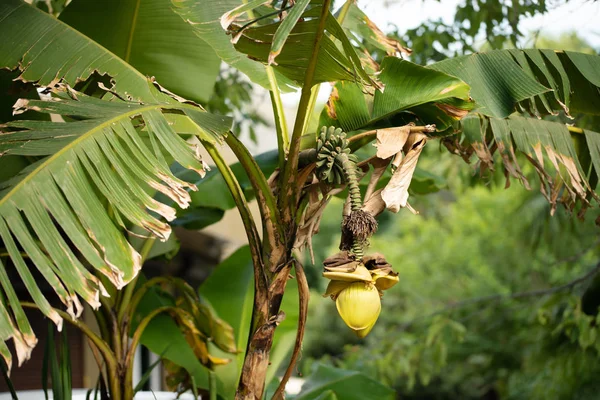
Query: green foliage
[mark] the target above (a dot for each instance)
(176, 349)
(101, 143)
(93, 176)
(433, 97)
(153, 39)
(330, 383)
(229, 293)
(501, 79)
(213, 198)
(57, 360)
(233, 276)
(205, 18)
(29, 30)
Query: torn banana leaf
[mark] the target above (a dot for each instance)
(337, 59)
(47, 51)
(566, 177)
(110, 156)
(539, 82)
(205, 17)
(152, 38)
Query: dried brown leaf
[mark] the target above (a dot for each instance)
(375, 204)
(379, 167)
(393, 47)
(395, 194)
(377, 261)
(454, 112)
(390, 141)
(330, 105)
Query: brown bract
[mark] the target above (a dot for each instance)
(339, 259)
(376, 261)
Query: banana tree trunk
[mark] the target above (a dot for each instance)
(265, 319)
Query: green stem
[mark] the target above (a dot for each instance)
(283, 137)
(102, 324)
(101, 345)
(288, 184)
(315, 90)
(128, 292)
(117, 340)
(242, 206)
(314, 93)
(141, 291)
(353, 188)
(23, 254)
(267, 202)
(574, 129)
(135, 340)
(212, 385)
(273, 233)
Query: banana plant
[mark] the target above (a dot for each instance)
(120, 152)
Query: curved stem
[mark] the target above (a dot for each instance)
(260, 310)
(372, 134)
(117, 337)
(273, 233)
(283, 137)
(141, 291)
(257, 180)
(212, 385)
(353, 189)
(349, 169)
(135, 340)
(101, 345)
(242, 206)
(303, 296)
(102, 324)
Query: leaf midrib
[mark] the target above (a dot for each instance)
(132, 30)
(72, 145)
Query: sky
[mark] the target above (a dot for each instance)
(578, 15)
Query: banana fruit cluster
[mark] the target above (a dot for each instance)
(357, 286)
